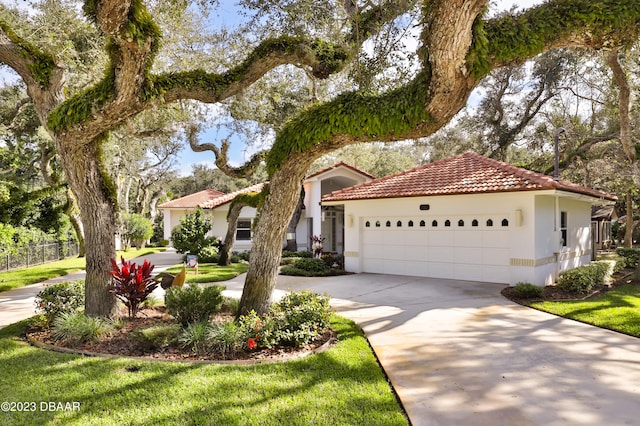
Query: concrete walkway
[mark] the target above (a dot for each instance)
(458, 353)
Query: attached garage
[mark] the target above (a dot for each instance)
(467, 218)
(467, 247)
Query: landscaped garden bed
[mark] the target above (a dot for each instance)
(127, 338)
(585, 297)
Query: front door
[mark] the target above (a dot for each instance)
(333, 229)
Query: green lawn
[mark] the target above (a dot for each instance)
(342, 386)
(39, 273)
(211, 272)
(618, 309)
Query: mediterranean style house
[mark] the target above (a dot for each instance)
(466, 217)
(315, 219)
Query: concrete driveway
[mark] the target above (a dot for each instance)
(458, 353)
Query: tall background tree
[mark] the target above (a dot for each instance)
(458, 46)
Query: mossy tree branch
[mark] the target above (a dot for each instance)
(368, 22)
(221, 155)
(455, 56)
(42, 76)
(555, 24)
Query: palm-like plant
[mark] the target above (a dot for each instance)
(132, 284)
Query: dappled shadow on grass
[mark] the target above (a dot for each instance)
(617, 309)
(344, 385)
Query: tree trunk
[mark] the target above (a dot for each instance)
(628, 229)
(230, 237)
(76, 223)
(153, 211)
(270, 232)
(97, 207)
(292, 244)
(127, 193)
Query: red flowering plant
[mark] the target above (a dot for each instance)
(132, 284)
(316, 245)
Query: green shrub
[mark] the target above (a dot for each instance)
(304, 254)
(230, 304)
(150, 302)
(288, 261)
(528, 291)
(209, 254)
(193, 303)
(196, 336)
(226, 339)
(264, 330)
(307, 316)
(242, 255)
(306, 268)
(59, 298)
(159, 336)
(585, 278)
(630, 255)
(295, 320)
(620, 265)
(191, 235)
(332, 260)
(73, 327)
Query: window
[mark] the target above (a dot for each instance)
(399, 223)
(505, 222)
(377, 224)
(388, 224)
(423, 223)
(489, 222)
(606, 231)
(243, 232)
(410, 224)
(367, 224)
(474, 222)
(563, 229)
(461, 222)
(434, 223)
(447, 222)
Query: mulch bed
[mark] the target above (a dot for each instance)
(553, 293)
(126, 343)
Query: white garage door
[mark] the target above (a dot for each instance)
(462, 247)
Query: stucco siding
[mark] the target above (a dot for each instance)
(386, 236)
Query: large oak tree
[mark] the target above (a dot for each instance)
(458, 48)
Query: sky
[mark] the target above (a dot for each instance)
(239, 152)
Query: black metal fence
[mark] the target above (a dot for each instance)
(37, 254)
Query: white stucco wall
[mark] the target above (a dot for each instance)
(218, 217)
(521, 252)
(551, 257)
(315, 187)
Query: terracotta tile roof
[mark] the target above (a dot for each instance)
(466, 173)
(193, 200)
(208, 199)
(340, 164)
(227, 198)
